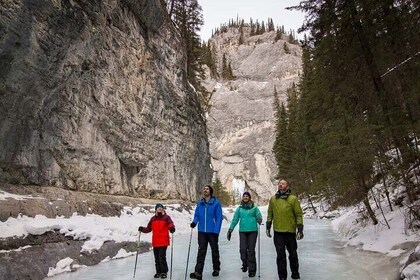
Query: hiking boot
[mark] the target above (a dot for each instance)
(157, 275)
(196, 275)
(215, 273)
(251, 274)
(163, 275)
(295, 276)
(244, 268)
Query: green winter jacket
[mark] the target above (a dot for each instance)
(247, 215)
(285, 213)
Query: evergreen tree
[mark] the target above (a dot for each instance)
(270, 24)
(213, 54)
(208, 58)
(241, 34)
(262, 30)
(220, 192)
(354, 112)
(225, 70)
(291, 38)
(227, 73)
(278, 34)
(187, 15)
(257, 28)
(252, 25)
(280, 148)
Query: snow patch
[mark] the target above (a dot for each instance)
(412, 271)
(5, 195)
(218, 85)
(62, 266)
(122, 254)
(16, 250)
(107, 259)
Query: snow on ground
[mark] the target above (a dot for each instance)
(378, 237)
(5, 195)
(353, 225)
(96, 230)
(94, 227)
(412, 271)
(63, 265)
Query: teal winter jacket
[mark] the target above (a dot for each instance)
(247, 214)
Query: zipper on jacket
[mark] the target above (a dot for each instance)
(205, 218)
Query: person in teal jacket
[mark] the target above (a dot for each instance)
(248, 215)
(286, 216)
(208, 216)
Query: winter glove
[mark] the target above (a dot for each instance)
(229, 235)
(268, 229)
(192, 225)
(172, 230)
(299, 234)
(259, 220)
(141, 228)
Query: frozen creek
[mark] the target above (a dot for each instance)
(321, 257)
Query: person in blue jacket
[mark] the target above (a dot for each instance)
(249, 216)
(208, 216)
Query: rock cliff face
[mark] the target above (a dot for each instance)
(94, 98)
(241, 121)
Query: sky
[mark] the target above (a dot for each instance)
(216, 12)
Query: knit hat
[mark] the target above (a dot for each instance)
(159, 205)
(247, 193)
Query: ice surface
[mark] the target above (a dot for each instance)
(321, 256)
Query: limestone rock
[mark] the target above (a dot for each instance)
(94, 98)
(241, 120)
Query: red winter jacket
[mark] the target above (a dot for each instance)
(160, 226)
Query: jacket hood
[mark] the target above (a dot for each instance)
(247, 205)
(283, 195)
(162, 214)
(211, 200)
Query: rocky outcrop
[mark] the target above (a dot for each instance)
(31, 257)
(52, 202)
(94, 98)
(241, 121)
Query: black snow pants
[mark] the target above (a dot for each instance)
(160, 259)
(203, 240)
(247, 241)
(287, 240)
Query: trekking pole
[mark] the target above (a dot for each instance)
(188, 256)
(137, 255)
(259, 250)
(172, 256)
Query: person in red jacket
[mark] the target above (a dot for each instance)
(160, 224)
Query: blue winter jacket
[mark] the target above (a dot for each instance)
(208, 215)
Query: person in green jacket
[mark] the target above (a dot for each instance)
(286, 217)
(248, 215)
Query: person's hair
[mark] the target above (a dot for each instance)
(285, 181)
(210, 188)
